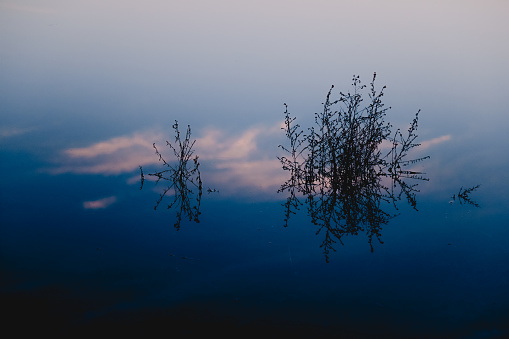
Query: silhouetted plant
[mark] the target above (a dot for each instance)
(342, 168)
(464, 196)
(183, 176)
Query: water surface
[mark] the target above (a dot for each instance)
(86, 89)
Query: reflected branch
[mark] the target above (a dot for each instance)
(343, 170)
(185, 184)
(464, 196)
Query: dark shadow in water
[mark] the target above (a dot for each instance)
(185, 185)
(349, 168)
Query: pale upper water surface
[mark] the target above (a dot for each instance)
(86, 88)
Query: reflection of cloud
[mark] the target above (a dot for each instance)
(234, 163)
(110, 146)
(7, 132)
(242, 163)
(113, 156)
(215, 145)
(114, 165)
(101, 203)
(386, 144)
(428, 143)
(242, 176)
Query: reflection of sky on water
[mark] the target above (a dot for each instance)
(86, 88)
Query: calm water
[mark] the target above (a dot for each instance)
(87, 88)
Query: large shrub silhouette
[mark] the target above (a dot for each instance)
(349, 166)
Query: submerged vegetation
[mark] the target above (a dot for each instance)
(350, 166)
(183, 176)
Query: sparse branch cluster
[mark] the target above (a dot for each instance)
(464, 196)
(184, 178)
(341, 168)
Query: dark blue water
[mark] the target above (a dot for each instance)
(441, 272)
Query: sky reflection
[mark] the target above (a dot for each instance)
(99, 204)
(241, 164)
(235, 163)
(87, 87)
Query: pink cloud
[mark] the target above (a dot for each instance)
(113, 156)
(240, 177)
(111, 146)
(387, 145)
(236, 163)
(99, 204)
(435, 141)
(7, 132)
(215, 145)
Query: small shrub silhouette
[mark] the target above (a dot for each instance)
(183, 176)
(464, 196)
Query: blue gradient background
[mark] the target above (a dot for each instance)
(87, 86)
